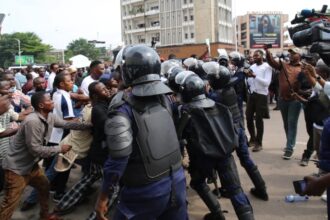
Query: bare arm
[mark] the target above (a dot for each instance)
(271, 61)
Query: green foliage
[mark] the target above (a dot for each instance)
(81, 46)
(31, 44)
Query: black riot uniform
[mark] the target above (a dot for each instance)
(211, 139)
(143, 146)
(223, 92)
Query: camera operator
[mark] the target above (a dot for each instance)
(314, 108)
(259, 78)
(289, 106)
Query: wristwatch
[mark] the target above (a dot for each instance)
(318, 78)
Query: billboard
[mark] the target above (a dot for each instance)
(25, 60)
(265, 29)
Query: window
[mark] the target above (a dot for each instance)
(184, 1)
(191, 17)
(192, 35)
(156, 7)
(185, 18)
(243, 27)
(186, 36)
(191, 1)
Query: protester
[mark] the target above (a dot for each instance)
(21, 164)
(259, 78)
(289, 106)
(96, 71)
(54, 69)
(97, 155)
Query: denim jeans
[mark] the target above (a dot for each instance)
(290, 111)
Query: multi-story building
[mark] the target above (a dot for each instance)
(258, 28)
(179, 23)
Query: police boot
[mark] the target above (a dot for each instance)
(259, 189)
(212, 204)
(244, 213)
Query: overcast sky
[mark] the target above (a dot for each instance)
(58, 22)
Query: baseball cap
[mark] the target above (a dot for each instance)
(294, 50)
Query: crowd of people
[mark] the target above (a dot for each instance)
(131, 124)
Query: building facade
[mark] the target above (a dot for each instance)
(176, 22)
(255, 29)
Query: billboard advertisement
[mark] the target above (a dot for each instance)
(24, 60)
(265, 29)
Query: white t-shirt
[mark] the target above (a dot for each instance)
(85, 83)
(263, 78)
(34, 75)
(51, 81)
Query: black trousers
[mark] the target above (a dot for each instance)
(256, 106)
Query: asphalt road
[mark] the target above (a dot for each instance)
(278, 174)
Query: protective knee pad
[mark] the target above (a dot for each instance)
(208, 198)
(229, 176)
(245, 213)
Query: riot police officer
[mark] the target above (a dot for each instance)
(211, 138)
(223, 92)
(240, 85)
(143, 146)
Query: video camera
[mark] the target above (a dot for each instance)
(312, 28)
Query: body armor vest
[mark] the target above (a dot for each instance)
(228, 97)
(157, 154)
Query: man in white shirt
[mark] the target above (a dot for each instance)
(53, 69)
(259, 78)
(96, 71)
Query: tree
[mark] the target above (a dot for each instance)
(31, 44)
(81, 46)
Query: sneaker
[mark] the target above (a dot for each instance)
(57, 197)
(304, 162)
(324, 197)
(276, 108)
(287, 155)
(27, 206)
(252, 143)
(257, 148)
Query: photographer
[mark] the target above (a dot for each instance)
(316, 186)
(259, 78)
(289, 106)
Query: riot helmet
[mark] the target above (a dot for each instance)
(173, 72)
(223, 57)
(167, 65)
(193, 90)
(218, 76)
(119, 60)
(141, 70)
(190, 63)
(235, 58)
(198, 69)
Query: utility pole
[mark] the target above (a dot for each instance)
(19, 52)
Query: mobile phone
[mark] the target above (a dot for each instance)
(268, 46)
(299, 186)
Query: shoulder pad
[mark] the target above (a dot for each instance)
(119, 136)
(117, 101)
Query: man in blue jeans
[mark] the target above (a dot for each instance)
(289, 106)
